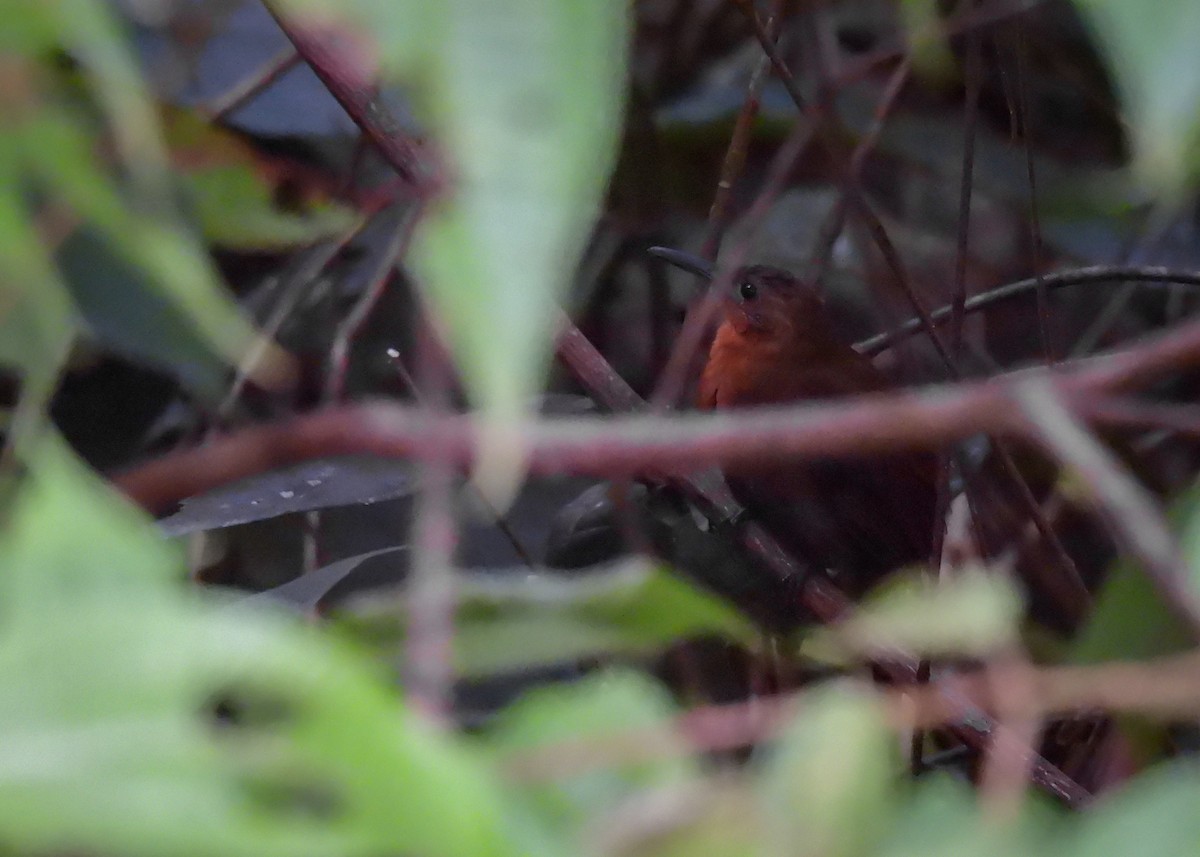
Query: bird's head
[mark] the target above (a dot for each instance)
(762, 301)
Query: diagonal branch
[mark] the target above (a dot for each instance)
(1136, 521)
(357, 97)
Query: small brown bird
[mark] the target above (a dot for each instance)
(776, 344)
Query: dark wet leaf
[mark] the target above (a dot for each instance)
(313, 593)
(319, 484)
(127, 313)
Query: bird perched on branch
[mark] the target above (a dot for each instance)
(776, 344)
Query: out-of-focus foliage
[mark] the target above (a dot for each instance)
(94, 160)
(231, 191)
(523, 620)
(972, 613)
(1151, 52)
(527, 155)
(141, 717)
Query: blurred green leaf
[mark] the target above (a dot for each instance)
(972, 613)
(94, 36)
(37, 323)
(526, 101)
(178, 272)
(55, 173)
(237, 210)
(530, 639)
(232, 191)
(1152, 55)
(517, 621)
(830, 786)
(523, 98)
(716, 817)
(1153, 816)
(589, 713)
(124, 311)
(628, 609)
(1129, 620)
(932, 59)
(942, 819)
(111, 671)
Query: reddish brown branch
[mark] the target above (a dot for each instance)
(357, 97)
(865, 426)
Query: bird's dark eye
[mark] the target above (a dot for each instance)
(748, 290)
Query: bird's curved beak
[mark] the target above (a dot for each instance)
(687, 261)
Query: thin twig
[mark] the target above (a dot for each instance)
(351, 325)
(1035, 228)
(1056, 280)
(1066, 590)
(836, 219)
(291, 291)
(739, 144)
(973, 72)
(252, 84)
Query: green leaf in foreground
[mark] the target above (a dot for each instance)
(830, 786)
(522, 99)
(111, 671)
(942, 818)
(1130, 620)
(525, 98)
(519, 621)
(973, 613)
(1153, 816)
(604, 710)
(1152, 54)
(232, 190)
